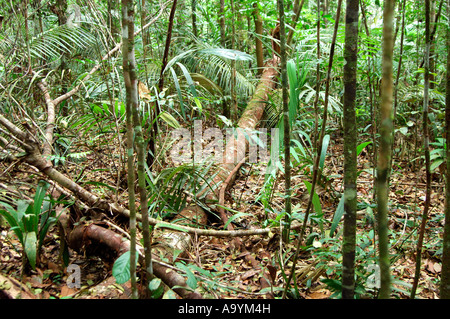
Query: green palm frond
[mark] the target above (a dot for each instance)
(52, 43)
(215, 64)
(174, 185)
(414, 93)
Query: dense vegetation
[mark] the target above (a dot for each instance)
(97, 96)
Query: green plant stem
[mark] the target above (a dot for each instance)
(286, 122)
(426, 149)
(445, 275)
(319, 149)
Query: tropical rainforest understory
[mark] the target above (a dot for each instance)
(171, 98)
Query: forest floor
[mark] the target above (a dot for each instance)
(223, 273)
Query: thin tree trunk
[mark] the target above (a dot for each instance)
(131, 93)
(140, 146)
(258, 43)
(144, 14)
(398, 74)
(426, 148)
(318, 82)
(234, 107)
(154, 128)
(373, 109)
(194, 17)
(350, 137)
(287, 133)
(319, 147)
(385, 149)
(445, 274)
(297, 10)
(222, 22)
(324, 121)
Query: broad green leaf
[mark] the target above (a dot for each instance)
(170, 120)
(30, 247)
(156, 288)
(235, 216)
(337, 216)
(169, 294)
(121, 268)
(436, 164)
(10, 217)
(323, 153)
(315, 200)
(191, 280)
(361, 146)
(180, 96)
(39, 196)
(188, 77)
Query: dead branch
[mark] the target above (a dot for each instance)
(47, 148)
(11, 288)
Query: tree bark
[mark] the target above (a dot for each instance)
(91, 234)
(222, 22)
(319, 148)
(426, 148)
(445, 275)
(350, 137)
(385, 149)
(154, 128)
(286, 122)
(131, 99)
(258, 43)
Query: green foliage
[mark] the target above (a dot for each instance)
(169, 190)
(156, 288)
(438, 154)
(121, 268)
(30, 221)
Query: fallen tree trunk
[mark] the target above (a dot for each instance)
(233, 159)
(94, 234)
(34, 158)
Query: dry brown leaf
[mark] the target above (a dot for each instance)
(66, 291)
(322, 294)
